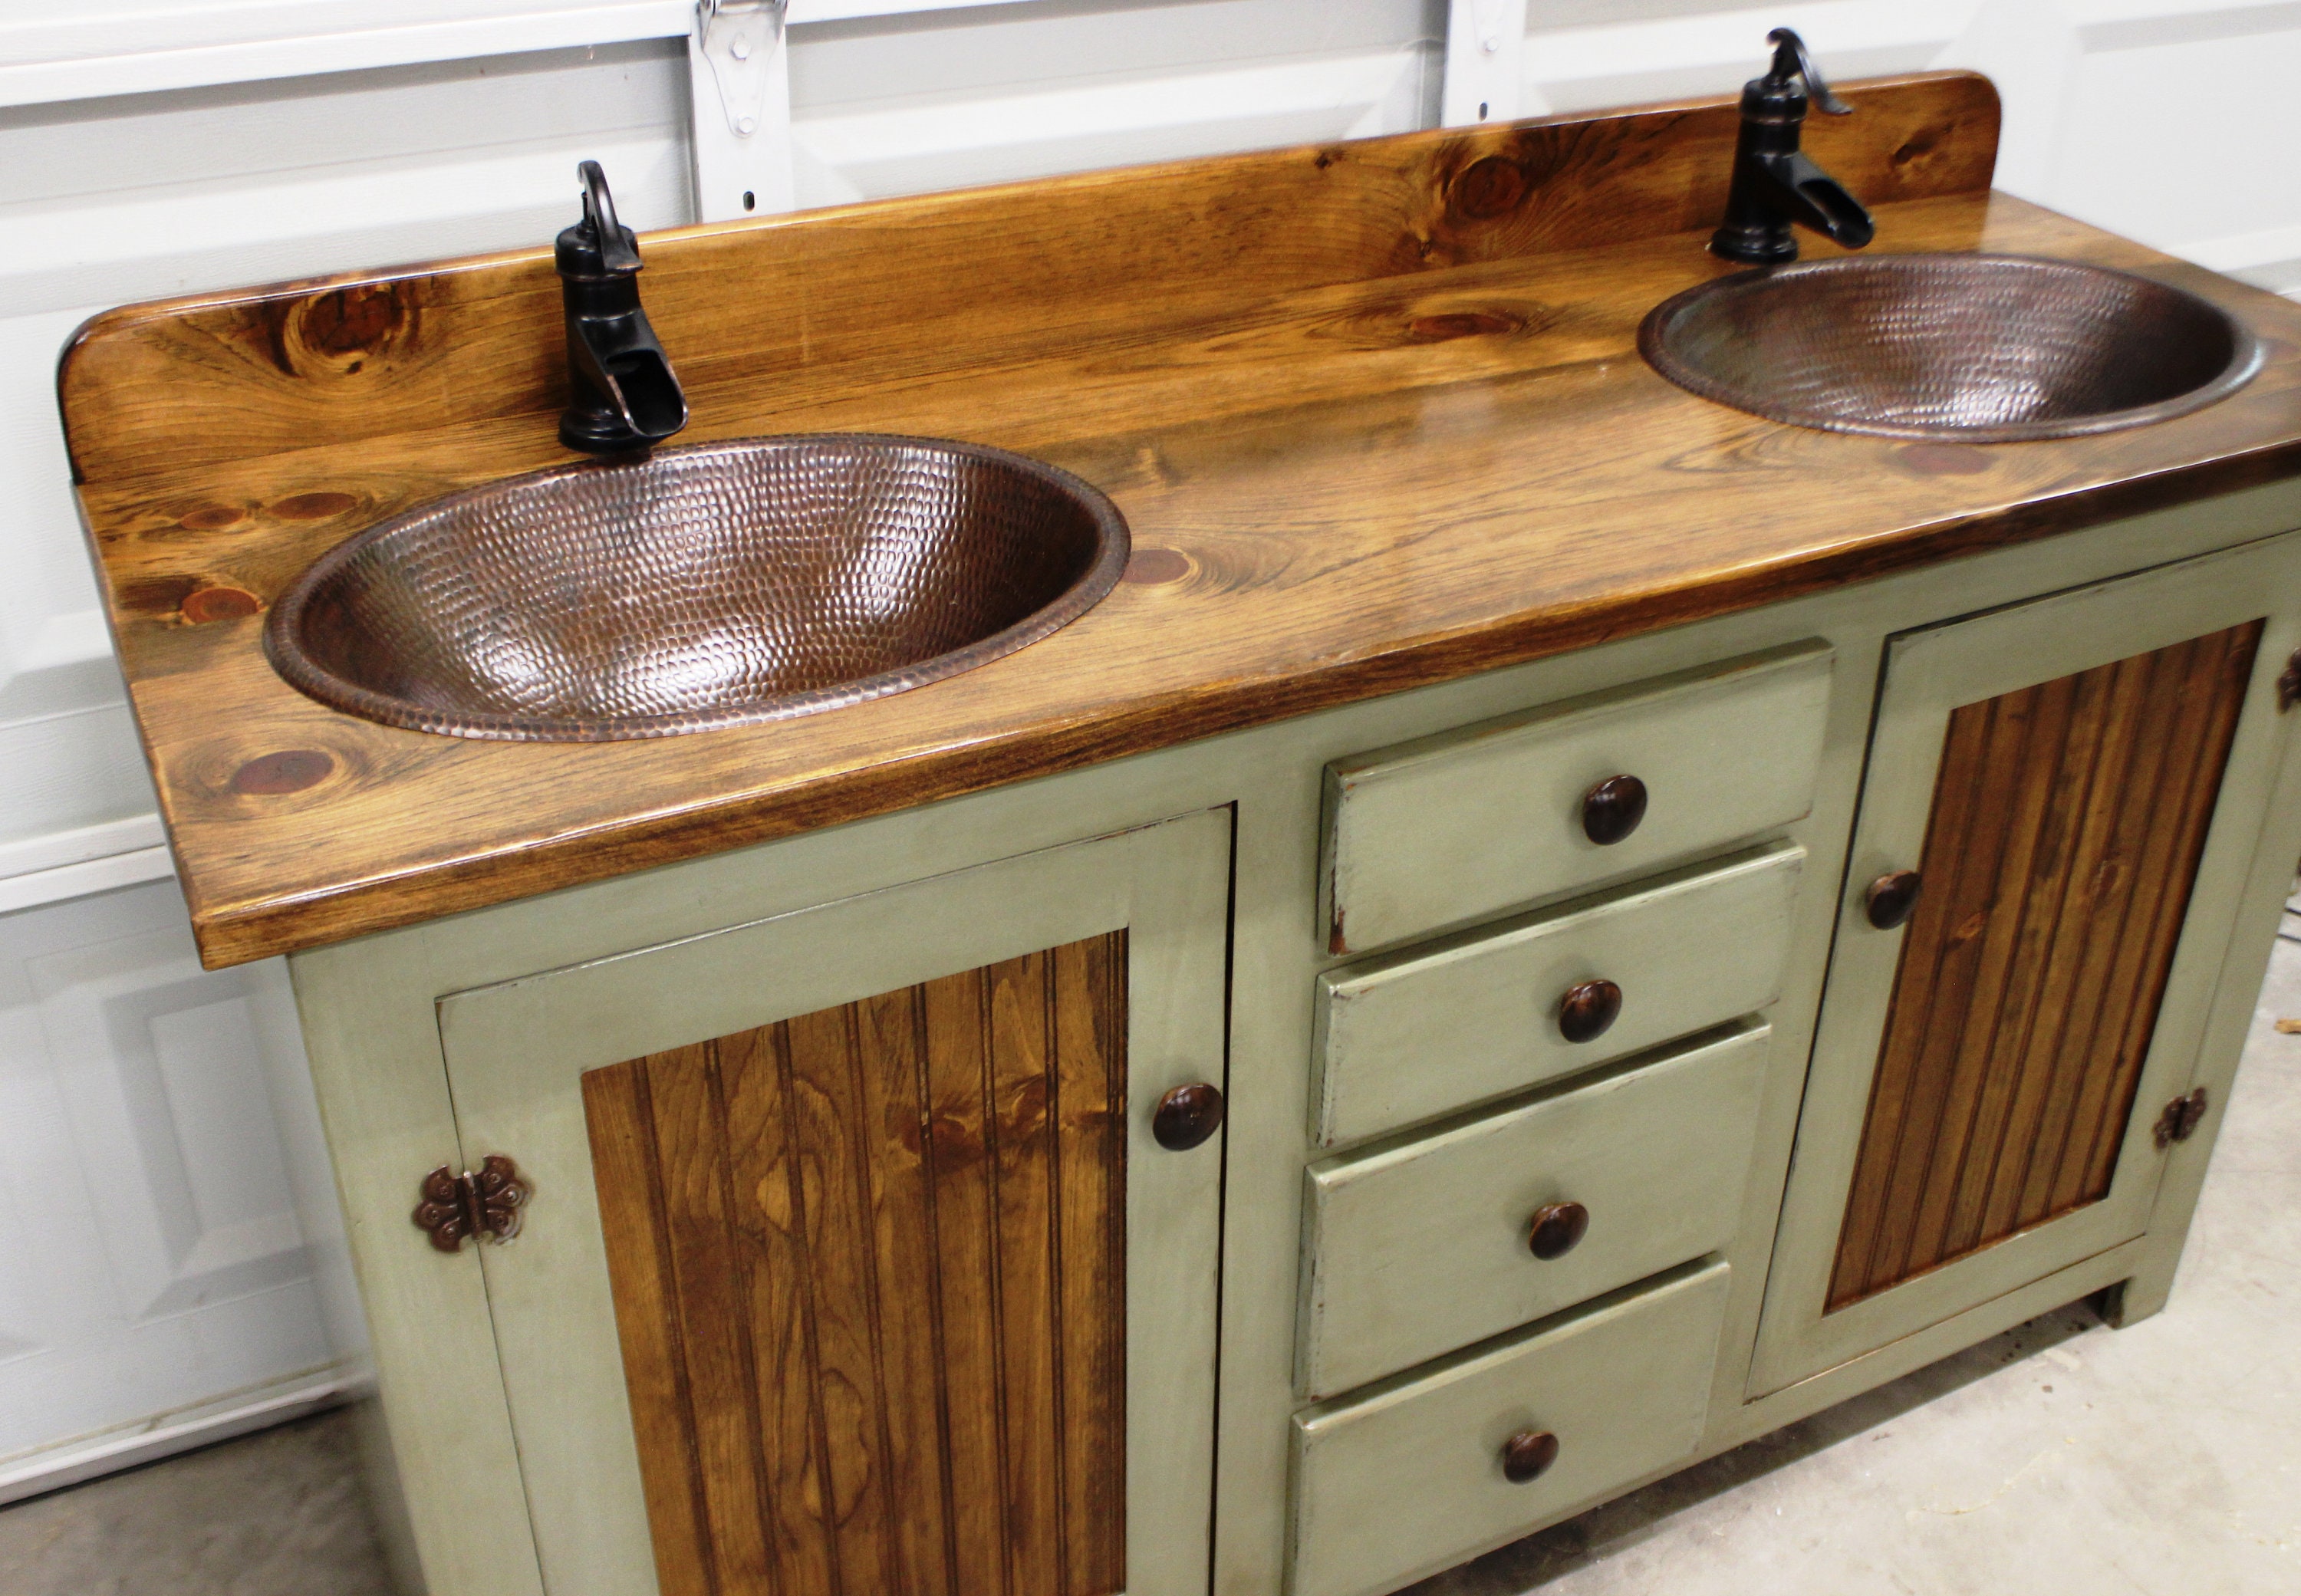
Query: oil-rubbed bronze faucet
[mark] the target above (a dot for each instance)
(625, 398)
(1774, 185)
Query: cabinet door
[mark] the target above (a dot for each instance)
(2078, 783)
(852, 1264)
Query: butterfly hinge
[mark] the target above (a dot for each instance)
(456, 1207)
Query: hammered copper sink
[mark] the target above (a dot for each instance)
(713, 585)
(1963, 348)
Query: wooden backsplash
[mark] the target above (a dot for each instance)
(763, 316)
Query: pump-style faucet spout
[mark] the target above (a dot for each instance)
(624, 395)
(1776, 185)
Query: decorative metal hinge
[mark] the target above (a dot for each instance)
(2181, 1120)
(2288, 685)
(459, 1205)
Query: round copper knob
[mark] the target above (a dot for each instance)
(1556, 1230)
(1187, 1116)
(1890, 898)
(1611, 810)
(1587, 1009)
(1527, 1454)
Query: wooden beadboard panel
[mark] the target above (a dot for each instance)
(2067, 822)
(869, 1270)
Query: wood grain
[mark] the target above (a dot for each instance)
(2067, 823)
(1328, 387)
(869, 1268)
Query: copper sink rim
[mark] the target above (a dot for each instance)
(1113, 546)
(2247, 355)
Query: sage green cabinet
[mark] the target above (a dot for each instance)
(857, 1256)
(855, 1259)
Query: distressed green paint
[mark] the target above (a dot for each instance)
(1464, 824)
(1426, 1032)
(1406, 1479)
(1413, 1250)
(370, 1018)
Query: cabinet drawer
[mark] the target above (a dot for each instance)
(1435, 1028)
(1405, 1481)
(1461, 826)
(1415, 1250)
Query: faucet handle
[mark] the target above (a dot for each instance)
(619, 247)
(1792, 59)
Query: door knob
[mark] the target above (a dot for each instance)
(1611, 810)
(1587, 1009)
(1556, 1228)
(1187, 1116)
(1527, 1454)
(1890, 900)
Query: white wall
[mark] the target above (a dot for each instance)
(156, 1270)
(168, 1265)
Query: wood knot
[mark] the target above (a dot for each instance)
(1463, 323)
(212, 518)
(311, 507)
(1026, 1108)
(1154, 567)
(339, 331)
(290, 770)
(220, 602)
(1489, 189)
(1916, 147)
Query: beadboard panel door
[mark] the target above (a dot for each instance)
(870, 1275)
(837, 1496)
(1985, 1076)
(2060, 846)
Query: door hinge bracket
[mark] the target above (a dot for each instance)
(2181, 1120)
(456, 1207)
(2288, 685)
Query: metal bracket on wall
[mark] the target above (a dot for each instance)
(741, 93)
(1486, 62)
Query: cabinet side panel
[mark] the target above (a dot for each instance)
(2067, 823)
(869, 1270)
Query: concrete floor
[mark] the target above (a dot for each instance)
(2063, 1456)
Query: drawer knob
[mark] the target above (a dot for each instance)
(1588, 1009)
(1527, 1455)
(1891, 897)
(1557, 1229)
(1611, 810)
(1187, 1116)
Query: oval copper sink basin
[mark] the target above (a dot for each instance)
(715, 585)
(1965, 348)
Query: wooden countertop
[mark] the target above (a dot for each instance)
(1373, 410)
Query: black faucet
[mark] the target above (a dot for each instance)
(624, 397)
(1774, 185)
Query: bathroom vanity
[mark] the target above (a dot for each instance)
(1545, 928)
